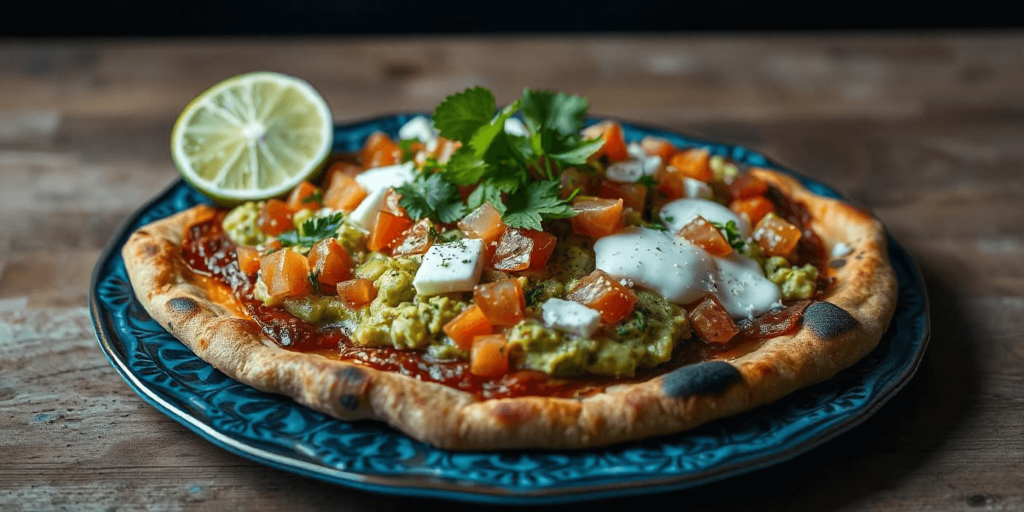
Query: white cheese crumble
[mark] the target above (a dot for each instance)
(839, 250)
(377, 182)
(365, 214)
(450, 267)
(571, 317)
(420, 128)
(516, 128)
(696, 189)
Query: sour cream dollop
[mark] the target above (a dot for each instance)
(680, 212)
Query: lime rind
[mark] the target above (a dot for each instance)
(252, 137)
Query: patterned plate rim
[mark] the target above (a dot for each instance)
(430, 487)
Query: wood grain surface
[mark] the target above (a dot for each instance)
(927, 131)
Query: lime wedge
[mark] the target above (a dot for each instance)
(252, 137)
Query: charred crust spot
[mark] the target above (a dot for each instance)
(828, 321)
(512, 413)
(349, 401)
(150, 249)
(183, 306)
(837, 263)
(352, 376)
(712, 377)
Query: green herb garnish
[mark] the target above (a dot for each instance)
(432, 197)
(313, 231)
(732, 234)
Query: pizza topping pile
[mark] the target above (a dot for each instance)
(530, 245)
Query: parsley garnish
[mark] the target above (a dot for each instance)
(732, 234)
(462, 114)
(312, 231)
(431, 196)
(647, 180)
(314, 277)
(536, 200)
(406, 145)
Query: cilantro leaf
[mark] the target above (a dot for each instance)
(647, 180)
(483, 137)
(578, 155)
(313, 231)
(432, 196)
(406, 146)
(490, 192)
(536, 202)
(465, 167)
(559, 113)
(462, 114)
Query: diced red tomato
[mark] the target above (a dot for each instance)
(484, 223)
(614, 147)
(602, 292)
(701, 233)
(657, 146)
(574, 179)
(271, 246)
(445, 149)
(286, 274)
(340, 168)
(597, 217)
(712, 322)
(344, 194)
(671, 182)
(275, 218)
(380, 151)
(467, 325)
(746, 186)
(390, 203)
(523, 249)
(357, 293)
(633, 195)
(776, 236)
(330, 262)
(754, 209)
(489, 356)
(304, 197)
(694, 163)
(415, 240)
(386, 230)
(248, 259)
(502, 302)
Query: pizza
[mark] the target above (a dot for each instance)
(518, 280)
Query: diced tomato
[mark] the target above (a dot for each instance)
(286, 274)
(614, 147)
(357, 293)
(597, 217)
(633, 195)
(574, 179)
(415, 240)
(694, 163)
(701, 233)
(467, 325)
(386, 230)
(445, 149)
(523, 249)
(344, 194)
(671, 182)
(275, 218)
(330, 262)
(271, 246)
(712, 322)
(489, 356)
(657, 146)
(304, 197)
(602, 292)
(347, 169)
(248, 259)
(380, 151)
(754, 209)
(746, 186)
(390, 203)
(776, 236)
(465, 191)
(484, 223)
(502, 302)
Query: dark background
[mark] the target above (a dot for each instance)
(161, 18)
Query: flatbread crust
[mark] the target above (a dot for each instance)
(834, 335)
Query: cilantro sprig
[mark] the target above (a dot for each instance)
(312, 231)
(518, 175)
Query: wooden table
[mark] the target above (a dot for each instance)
(926, 131)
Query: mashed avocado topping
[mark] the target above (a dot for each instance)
(796, 283)
(241, 224)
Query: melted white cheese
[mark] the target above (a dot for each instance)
(680, 212)
(684, 273)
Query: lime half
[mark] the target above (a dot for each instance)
(252, 137)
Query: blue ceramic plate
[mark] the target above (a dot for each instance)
(273, 430)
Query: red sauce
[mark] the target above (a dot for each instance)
(208, 252)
